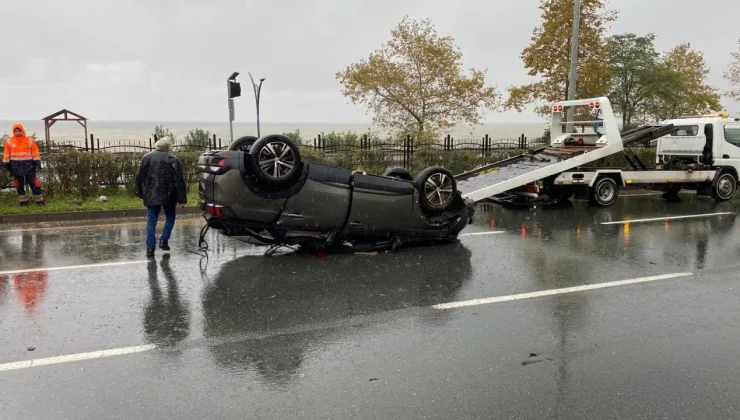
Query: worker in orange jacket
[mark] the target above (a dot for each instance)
(22, 158)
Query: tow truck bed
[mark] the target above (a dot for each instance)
(567, 151)
(515, 167)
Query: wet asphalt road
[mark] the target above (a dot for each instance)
(358, 336)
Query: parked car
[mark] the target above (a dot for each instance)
(262, 191)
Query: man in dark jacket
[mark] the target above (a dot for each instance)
(160, 184)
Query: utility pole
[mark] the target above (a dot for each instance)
(257, 91)
(573, 61)
(233, 90)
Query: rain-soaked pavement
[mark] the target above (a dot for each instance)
(359, 336)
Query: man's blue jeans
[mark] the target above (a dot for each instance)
(151, 224)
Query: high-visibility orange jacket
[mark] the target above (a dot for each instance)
(21, 155)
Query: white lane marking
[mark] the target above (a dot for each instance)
(143, 348)
(71, 267)
(541, 293)
(656, 219)
(102, 225)
(75, 357)
(482, 233)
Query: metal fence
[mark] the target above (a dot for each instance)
(397, 152)
(325, 144)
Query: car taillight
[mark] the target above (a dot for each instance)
(221, 162)
(214, 210)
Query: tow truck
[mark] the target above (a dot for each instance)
(700, 153)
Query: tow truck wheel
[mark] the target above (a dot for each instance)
(725, 188)
(604, 192)
(437, 188)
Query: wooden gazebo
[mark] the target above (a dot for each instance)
(63, 115)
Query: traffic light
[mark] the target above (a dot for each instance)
(235, 90)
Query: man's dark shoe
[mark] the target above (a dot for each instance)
(41, 203)
(24, 203)
(164, 245)
(149, 252)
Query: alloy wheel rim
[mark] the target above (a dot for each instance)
(438, 189)
(276, 159)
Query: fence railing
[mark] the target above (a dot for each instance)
(358, 151)
(320, 143)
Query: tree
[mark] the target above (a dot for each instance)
(682, 89)
(633, 65)
(160, 131)
(548, 55)
(415, 82)
(198, 138)
(733, 75)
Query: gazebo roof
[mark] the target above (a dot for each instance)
(62, 115)
(66, 114)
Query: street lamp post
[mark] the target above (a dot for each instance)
(573, 61)
(257, 90)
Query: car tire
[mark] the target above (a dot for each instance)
(437, 189)
(243, 144)
(725, 188)
(399, 173)
(604, 192)
(269, 173)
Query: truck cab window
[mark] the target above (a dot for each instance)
(732, 134)
(685, 130)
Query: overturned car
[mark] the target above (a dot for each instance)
(262, 192)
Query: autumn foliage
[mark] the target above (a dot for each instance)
(415, 83)
(733, 75)
(548, 55)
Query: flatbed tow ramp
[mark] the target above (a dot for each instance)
(554, 164)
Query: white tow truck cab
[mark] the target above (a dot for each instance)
(700, 153)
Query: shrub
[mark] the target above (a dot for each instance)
(4, 179)
(198, 138)
(84, 174)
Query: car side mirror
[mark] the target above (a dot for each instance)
(709, 132)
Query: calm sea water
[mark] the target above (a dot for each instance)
(141, 131)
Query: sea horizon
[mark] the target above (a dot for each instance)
(140, 131)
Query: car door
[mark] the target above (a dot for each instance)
(730, 133)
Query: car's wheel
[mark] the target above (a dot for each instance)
(604, 192)
(399, 173)
(274, 160)
(725, 188)
(437, 188)
(243, 144)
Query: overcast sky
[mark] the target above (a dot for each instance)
(168, 60)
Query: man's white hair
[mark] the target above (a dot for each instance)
(164, 144)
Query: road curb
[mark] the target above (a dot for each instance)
(84, 215)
